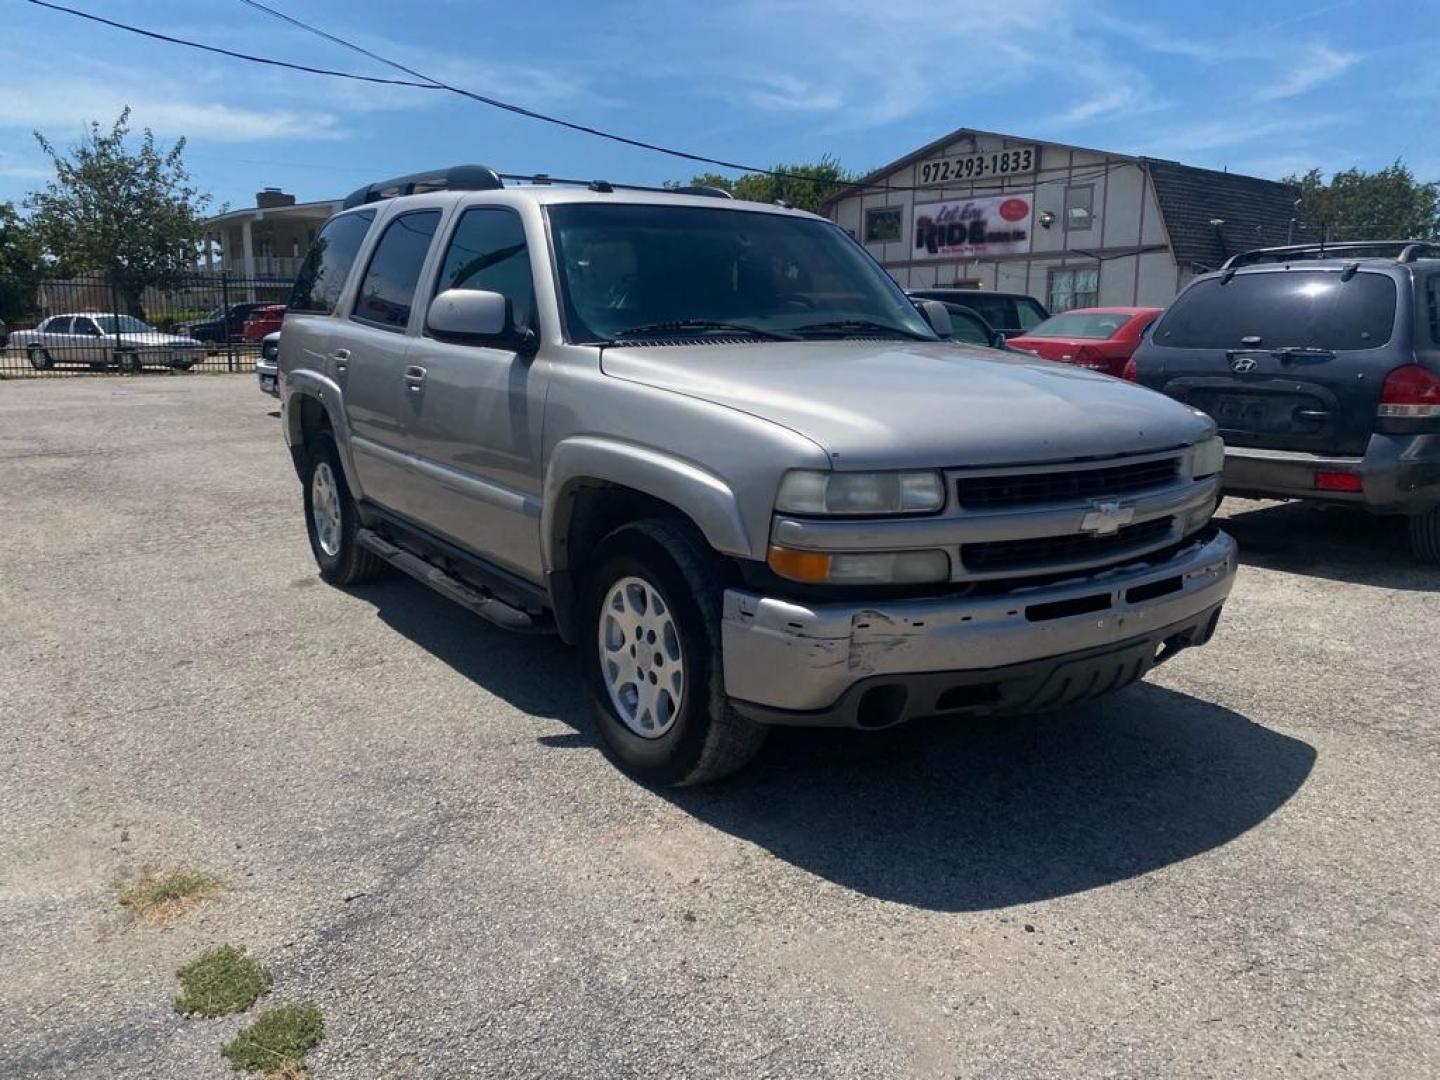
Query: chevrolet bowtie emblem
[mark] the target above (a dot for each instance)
(1105, 518)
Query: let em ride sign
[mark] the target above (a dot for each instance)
(964, 228)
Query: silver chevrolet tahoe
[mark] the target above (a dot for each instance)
(714, 446)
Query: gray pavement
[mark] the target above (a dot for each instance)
(1226, 872)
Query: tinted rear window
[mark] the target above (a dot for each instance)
(1071, 324)
(328, 262)
(1277, 310)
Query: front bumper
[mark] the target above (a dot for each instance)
(789, 662)
(1400, 474)
(268, 376)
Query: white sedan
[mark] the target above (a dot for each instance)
(102, 341)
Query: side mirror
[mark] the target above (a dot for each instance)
(478, 317)
(937, 315)
(998, 339)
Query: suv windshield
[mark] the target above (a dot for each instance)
(1096, 325)
(1311, 309)
(122, 324)
(647, 269)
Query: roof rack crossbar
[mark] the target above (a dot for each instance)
(455, 178)
(1403, 251)
(611, 185)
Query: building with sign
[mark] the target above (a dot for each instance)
(1070, 226)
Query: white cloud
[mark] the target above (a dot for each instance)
(1207, 136)
(62, 108)
(1315, 65)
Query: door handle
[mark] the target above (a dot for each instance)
(415, 378)
(341, 358)
(1312, 414)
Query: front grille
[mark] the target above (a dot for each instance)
(1046, 552)
(1020, 489)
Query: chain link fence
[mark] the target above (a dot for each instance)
(86, 325)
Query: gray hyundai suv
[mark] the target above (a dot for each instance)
(714, 446)
(1321, 366)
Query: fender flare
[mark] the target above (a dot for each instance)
(693, 490)
(308, 384)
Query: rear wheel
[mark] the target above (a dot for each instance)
(332, 520)
(39, 359)
(650, 650)
(128, 362)
(1425, 537)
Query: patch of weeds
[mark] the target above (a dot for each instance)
(160, 898)
(275, 1044)
(219, 982)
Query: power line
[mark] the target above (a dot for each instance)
(424, 82)
(157, 36)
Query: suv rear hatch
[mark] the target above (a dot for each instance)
(1282, 359)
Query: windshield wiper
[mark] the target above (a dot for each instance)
(1290, 352)
(845, 327)
(687, 326)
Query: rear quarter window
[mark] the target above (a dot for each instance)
(1275, 310)
(328, 262)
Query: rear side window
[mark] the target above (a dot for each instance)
(1432, 306)
(327, 263)
(1285, 309)
(388, 289)
(488, 252)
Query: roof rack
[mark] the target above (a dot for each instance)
(1402, 251)
(484, 178)
(455, 178)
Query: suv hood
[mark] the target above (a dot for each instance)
(892, 404)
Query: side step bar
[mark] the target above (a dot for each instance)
(483, 604)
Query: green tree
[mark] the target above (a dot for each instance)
(19, 265)
(802, 186)
(132, 214)
(1388, 204)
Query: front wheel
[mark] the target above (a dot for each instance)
(128, 362)
(1425, 537)
(650, 650)
(332, 520)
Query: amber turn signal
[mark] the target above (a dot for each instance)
(808, 566)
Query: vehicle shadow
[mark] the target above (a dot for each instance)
(947, 815)
(1338, 543)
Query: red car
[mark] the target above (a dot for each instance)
(1098, 338)
(263, 320)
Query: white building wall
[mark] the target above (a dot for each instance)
(1124, 217)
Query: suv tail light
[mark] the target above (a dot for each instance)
(1132, 370)
(1410, 392)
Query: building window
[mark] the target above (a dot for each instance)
(1079, 207)
(882, 224)
(1073, 287)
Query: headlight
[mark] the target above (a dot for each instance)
(806, 492)
(860, 567)
(1209, 458)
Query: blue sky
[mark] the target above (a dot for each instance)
(1265, 87)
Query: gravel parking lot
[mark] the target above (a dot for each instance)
(1226, 872)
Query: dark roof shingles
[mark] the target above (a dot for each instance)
(1256, 213)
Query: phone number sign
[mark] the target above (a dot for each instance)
(991, 164)
(964, 228)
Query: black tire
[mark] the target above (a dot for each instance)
(350, 564)
(128, 362)
(1425, 537)
(708, 738)
(40, 360)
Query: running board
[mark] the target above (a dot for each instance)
(483, 604)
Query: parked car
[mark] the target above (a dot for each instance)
(1010, 313)
(267, 371)
(713, 445)
(1321, 366)
(262, 321)
(221, 325)
(969, 326)
(1099, 338)
(104, 340)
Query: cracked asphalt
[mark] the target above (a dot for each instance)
(1228, 871)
